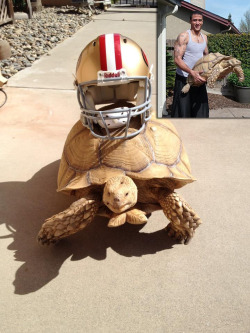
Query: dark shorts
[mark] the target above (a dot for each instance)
(193, 104)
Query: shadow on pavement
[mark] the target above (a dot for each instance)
(25, 205)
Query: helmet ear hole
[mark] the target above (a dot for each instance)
(124, 40)
(94, 43)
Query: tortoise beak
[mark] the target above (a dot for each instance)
(117, 207)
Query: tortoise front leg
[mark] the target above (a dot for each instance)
(132, 216)
(76, 217)
(183, 219)
(213, 77)
(239, 72)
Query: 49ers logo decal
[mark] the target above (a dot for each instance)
(144, 57)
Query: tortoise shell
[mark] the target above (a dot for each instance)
(156, 154)
(210, 60)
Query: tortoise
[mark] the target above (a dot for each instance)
(124, 180)
(213, 67)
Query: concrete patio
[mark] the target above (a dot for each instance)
(131, 278)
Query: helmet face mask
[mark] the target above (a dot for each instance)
(113, 87)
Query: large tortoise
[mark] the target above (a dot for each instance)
(213, 67)
(124, 180)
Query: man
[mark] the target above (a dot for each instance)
(190, 46)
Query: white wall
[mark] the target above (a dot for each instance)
(180, 22)
(199, 3)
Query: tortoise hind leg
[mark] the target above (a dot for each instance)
(183, 219)
(76, 217)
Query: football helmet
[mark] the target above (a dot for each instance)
(113, 83)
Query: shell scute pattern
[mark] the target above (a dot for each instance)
(213, 67)
(156, 153)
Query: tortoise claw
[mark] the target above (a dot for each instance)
(45, 241)
(181, 235)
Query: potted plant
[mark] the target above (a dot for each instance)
(241, 89)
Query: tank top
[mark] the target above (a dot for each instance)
(194, 52)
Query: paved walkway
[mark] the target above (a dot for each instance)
(227, 112)
(127, 279)
(230, 113)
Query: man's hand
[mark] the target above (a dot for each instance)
(198, 80)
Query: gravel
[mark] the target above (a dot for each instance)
(215, 102)
(31, 38)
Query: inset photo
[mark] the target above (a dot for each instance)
(203, 60)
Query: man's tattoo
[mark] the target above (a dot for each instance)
(181, 38)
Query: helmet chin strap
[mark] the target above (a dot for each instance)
(119, 115)
(113, 108)
(120, 109)
(115, 119)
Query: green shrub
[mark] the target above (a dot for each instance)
(233, 79)
(19, 5)
(230, 44)
(170, 73)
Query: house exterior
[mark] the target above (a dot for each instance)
(213, 24)
(142, 3)
(77, 3)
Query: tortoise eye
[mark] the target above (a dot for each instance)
(126, 194)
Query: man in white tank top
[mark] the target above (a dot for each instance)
(190, 46)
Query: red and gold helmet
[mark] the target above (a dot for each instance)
(113, 86)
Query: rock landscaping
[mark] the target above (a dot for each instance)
(215, 102)
(31, 38)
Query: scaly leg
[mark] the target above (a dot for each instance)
(183, 219)
(239, 72)
(68, 222)
(186, 88)
(132, 216)
(138, 214)
(213, 77)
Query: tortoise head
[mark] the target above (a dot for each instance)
(234, 62)
(120, 194)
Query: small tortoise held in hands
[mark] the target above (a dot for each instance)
(215, 66)
(123, 180)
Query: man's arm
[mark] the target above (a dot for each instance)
(206, 49)
(179, 50)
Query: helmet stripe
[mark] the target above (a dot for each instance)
(118, 54)
(103, 58)
(110, 52)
